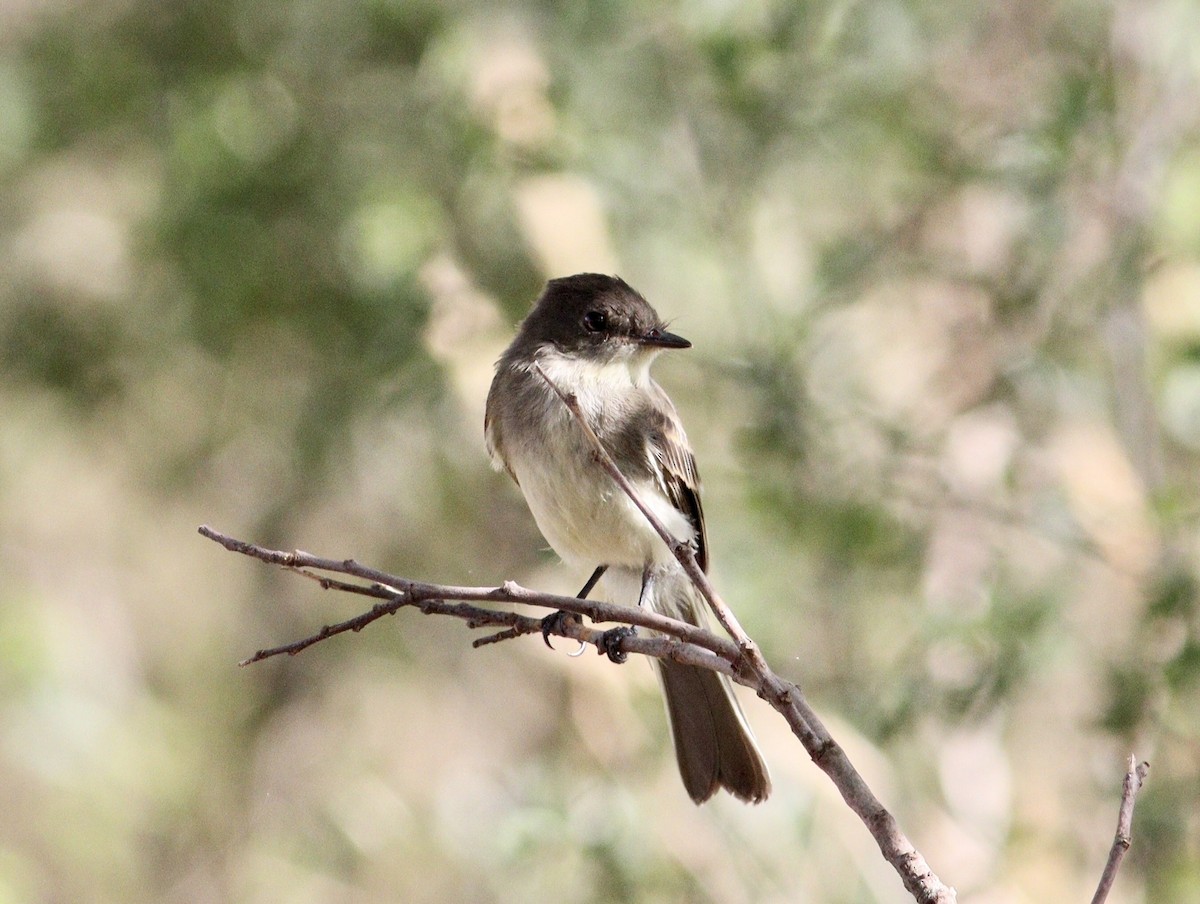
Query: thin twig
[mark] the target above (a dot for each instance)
(684, 642)
(1135, 777)
(920, 881)
(682, 551)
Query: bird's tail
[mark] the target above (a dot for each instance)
(713, 742)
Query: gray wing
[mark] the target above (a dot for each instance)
(675, 470)
(491, 436)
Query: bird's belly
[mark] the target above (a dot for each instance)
(589, 520)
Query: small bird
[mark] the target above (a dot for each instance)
(595, 337)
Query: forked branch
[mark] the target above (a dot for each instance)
(682, 642)
(677, 640)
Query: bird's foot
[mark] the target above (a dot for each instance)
(556, 623)
(610, 642)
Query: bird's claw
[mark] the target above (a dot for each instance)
(610, 642)
(556, 623)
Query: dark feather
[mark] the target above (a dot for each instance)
(675, 469)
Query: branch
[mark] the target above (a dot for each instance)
(1135, 777)
(682, 551)
(684, 643)
(752, 670)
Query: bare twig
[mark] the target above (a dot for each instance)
(1135, 777)
(684, 642)
(681, 550)
(752, 669)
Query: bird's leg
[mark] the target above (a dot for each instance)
(555, 620)
(647, 580)
(610, 640)
(591, 582)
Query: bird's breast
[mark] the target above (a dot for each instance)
(581, 511)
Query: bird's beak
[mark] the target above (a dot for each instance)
(660, 338)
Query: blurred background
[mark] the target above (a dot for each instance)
(940, 262)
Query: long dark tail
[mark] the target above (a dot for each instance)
(713, 743)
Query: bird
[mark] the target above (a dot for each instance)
(595, 338)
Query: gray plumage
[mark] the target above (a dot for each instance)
(596, 337)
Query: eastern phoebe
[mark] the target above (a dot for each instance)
(596, 337)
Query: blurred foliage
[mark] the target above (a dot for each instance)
(941, 266)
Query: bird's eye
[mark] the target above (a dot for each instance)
(595, 321)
